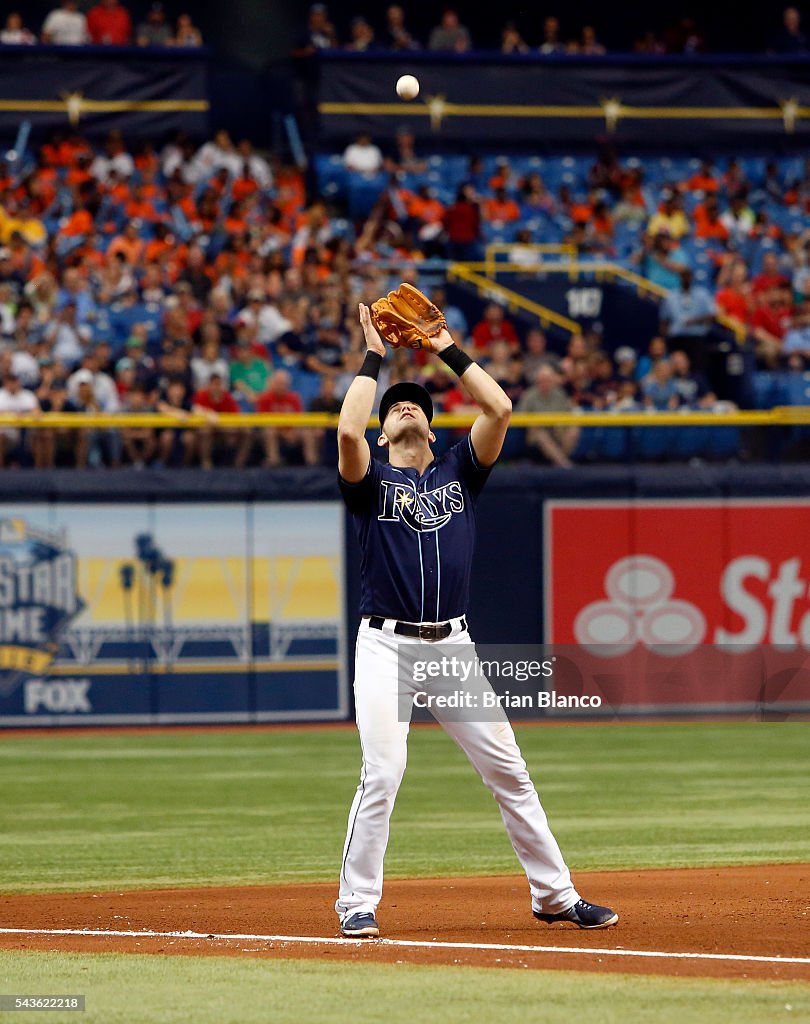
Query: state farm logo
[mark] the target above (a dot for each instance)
(639, 608)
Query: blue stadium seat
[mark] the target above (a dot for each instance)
(364, 193)
(613, 444)
(797, 388)
(651, 443)
(588, 445)
(724, 442)
(754, 168)
(689, 442)
(764, 389)
(514, 445)
(307, 384)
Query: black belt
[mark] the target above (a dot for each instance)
(431, 631)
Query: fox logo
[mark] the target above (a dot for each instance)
(423, 511)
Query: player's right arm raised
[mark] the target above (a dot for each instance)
(353, 450)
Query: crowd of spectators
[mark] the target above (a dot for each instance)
(107, 23)
(749, 233)
(450, 34)
(200, 279)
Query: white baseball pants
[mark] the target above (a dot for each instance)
(493, 752)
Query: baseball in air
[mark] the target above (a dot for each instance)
(407, 87)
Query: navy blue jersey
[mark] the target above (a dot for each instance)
(417, 535)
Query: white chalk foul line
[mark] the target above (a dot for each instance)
(498, 947)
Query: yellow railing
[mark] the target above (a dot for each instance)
(789, 415)
(601, 269)
(494, 249)
(512, 299)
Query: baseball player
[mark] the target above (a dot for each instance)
(415, 518)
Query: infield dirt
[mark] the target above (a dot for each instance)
(754, 911)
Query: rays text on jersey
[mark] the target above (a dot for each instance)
(423, 511)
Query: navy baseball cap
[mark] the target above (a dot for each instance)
(406, 391)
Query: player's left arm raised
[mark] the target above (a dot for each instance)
(489, 429)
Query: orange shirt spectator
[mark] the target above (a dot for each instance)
(736, 299)
(90, 254)
(47, 178)
(149, 188)
(500, 209)
(291, 195)
(703, 180)
(147, 160)
(425, 208)
(119, 192)
(38, 190)
(57, 153)
(139, 208)
(78, 175)
(580, 213)
(159, 246)
(735, 304)
(188, 207)
(602, 221)
(707, 221)
(219, 182)
(503, 176)
(232, 264)
(109, 24)
(235, 223)
(129, 243)
(78, 223)
(78, 148)
(243, 187)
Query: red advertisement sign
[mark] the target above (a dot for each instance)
(716, 594)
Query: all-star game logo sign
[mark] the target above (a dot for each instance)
(38, 599)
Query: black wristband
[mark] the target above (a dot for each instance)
(371, 365)
(456, 359)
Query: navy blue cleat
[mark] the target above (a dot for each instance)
(360, 926)
(583, 915)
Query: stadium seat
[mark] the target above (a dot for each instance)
(797, 388)
(689, 442)
(514, 445)
(613, 444)
(364, 193)
(307, 384)
(651, 444)
(724, 442)
(588, 445)
(763, 389)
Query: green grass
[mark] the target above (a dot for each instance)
(129, 989)
(200, 808)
